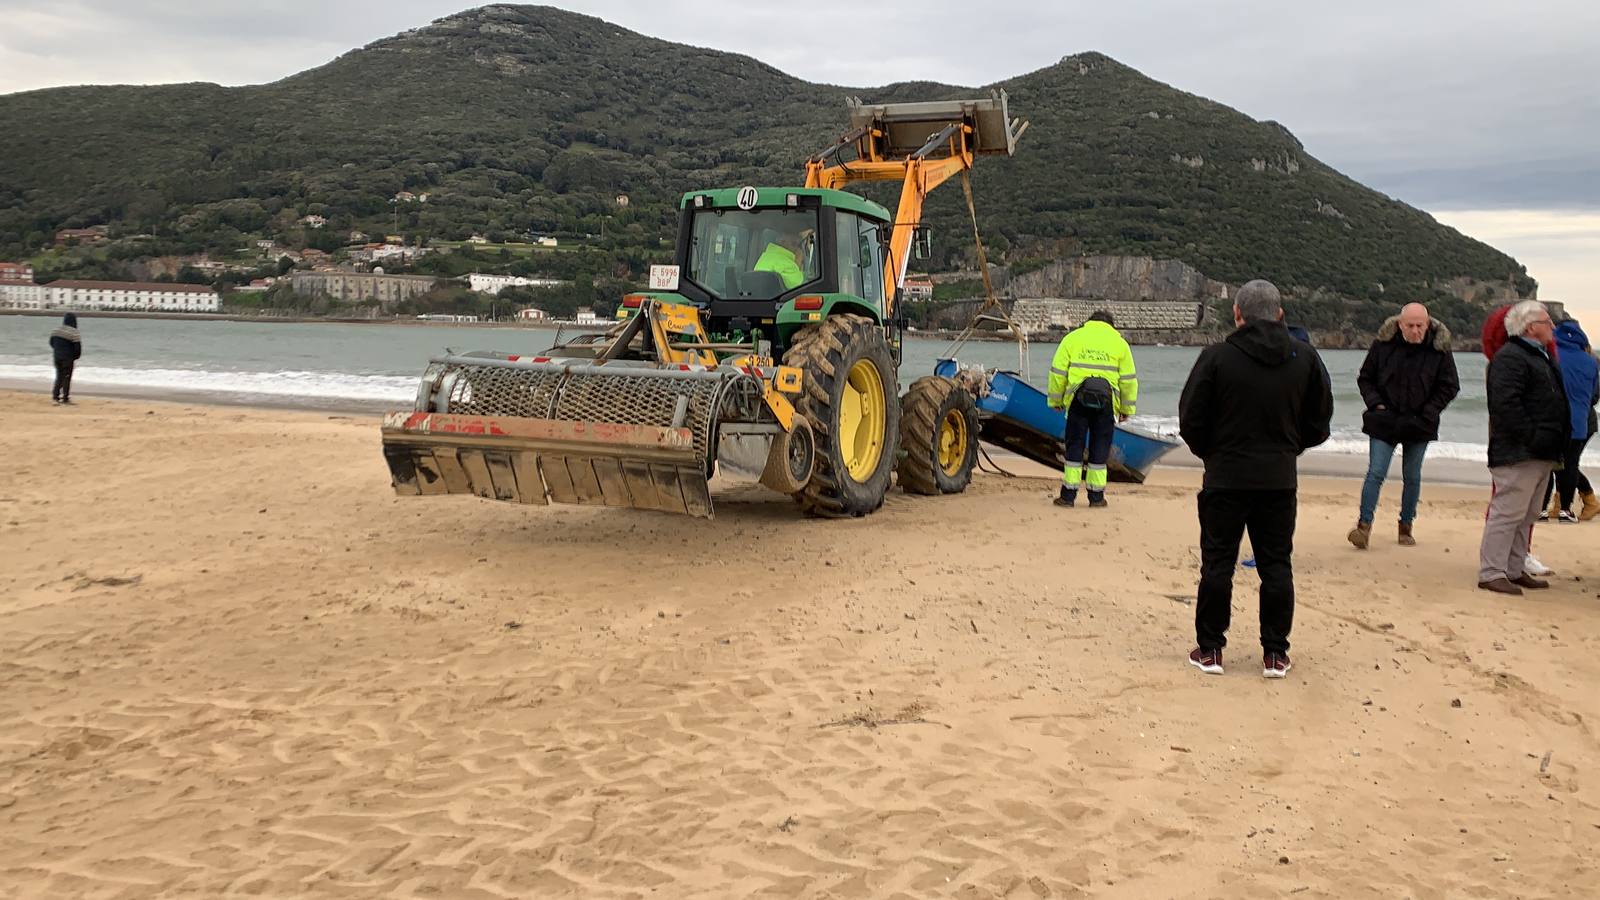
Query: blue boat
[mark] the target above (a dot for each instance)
(1013, 414)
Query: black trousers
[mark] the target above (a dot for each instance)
(1092, 429)
(62, 389)
(1225, 515)
(1570, 479)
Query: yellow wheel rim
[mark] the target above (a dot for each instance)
(862, 417)
(952, 442)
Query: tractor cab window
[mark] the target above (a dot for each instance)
(860, 257)
(756, 254)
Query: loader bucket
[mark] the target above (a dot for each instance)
(908, 125)
(594, 434)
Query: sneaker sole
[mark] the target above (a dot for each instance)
(1209, 670)
(1275, 673)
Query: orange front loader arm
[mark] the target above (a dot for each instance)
(919, 173)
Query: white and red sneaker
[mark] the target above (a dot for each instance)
(1207, 661)
(1275, 665)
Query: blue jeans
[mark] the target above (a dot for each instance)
(1379, 455)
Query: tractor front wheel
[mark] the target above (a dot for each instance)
(848, 396)
(939, 432)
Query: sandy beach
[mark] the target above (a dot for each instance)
(234, 663)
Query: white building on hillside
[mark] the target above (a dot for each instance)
(494, 284)
(129, 295)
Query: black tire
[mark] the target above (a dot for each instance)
(827, 352)
(925, 411)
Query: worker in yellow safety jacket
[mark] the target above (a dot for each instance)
(1093, 379)
(782, 257)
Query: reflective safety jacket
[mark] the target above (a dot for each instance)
(1093, 350)
(777, 259)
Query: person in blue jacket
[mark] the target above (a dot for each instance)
(1580, 374)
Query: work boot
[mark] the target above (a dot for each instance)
(1097, 499)
(1361, 535)
(1067, 498)
(1591, 507)
(1406, 540)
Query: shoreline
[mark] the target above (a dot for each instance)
(279, 320)
(1315, 464)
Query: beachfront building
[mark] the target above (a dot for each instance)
(21, 295)
(494, 284)
(1044, 315)
(587, 316)
(128, 296)
(532, 314)
(355, 287)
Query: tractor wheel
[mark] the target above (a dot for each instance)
(848, 396)
(939, 432)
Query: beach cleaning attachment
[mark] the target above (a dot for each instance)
(605, 426)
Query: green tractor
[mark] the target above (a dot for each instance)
(772, 345)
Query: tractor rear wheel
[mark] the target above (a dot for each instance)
(848, 396)
(939, 432)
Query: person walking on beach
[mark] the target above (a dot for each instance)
(1580, 377)
(1407, 380)
(1091, 377)
(66, 345)
(1529, 427)
(1251, 406)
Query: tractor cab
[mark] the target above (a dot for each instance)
(771, 260)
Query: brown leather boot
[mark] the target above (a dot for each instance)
(1406, 540)
(1591, 507)
(1361, 535)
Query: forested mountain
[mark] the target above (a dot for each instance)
(517, 118)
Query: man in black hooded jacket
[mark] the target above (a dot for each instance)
(1251, 406)
(66, 345)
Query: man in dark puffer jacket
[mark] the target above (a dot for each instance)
(1528, 432)
(1408, 379)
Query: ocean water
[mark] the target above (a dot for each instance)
(375, 364)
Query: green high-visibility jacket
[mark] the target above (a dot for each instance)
(777, 259)
(1095, 349)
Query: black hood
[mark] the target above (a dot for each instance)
(1268, 343)
(70, 320)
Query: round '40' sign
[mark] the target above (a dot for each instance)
(747, 198)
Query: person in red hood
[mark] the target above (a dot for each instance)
(1494, 334)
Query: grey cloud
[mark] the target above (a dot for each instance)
(1461, 103)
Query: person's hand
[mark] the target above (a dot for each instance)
(1122, 417)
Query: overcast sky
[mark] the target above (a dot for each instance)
(1484, 112)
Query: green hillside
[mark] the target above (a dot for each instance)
(516, 119)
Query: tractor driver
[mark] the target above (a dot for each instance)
(784, 256)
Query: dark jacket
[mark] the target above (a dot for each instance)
(1412, 382)
(65, 342)
(1580, 376)
(1528, 414)
(1252, 404)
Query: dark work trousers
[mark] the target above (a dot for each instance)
(63, 386)
(1224, 517)
(1091, 429)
